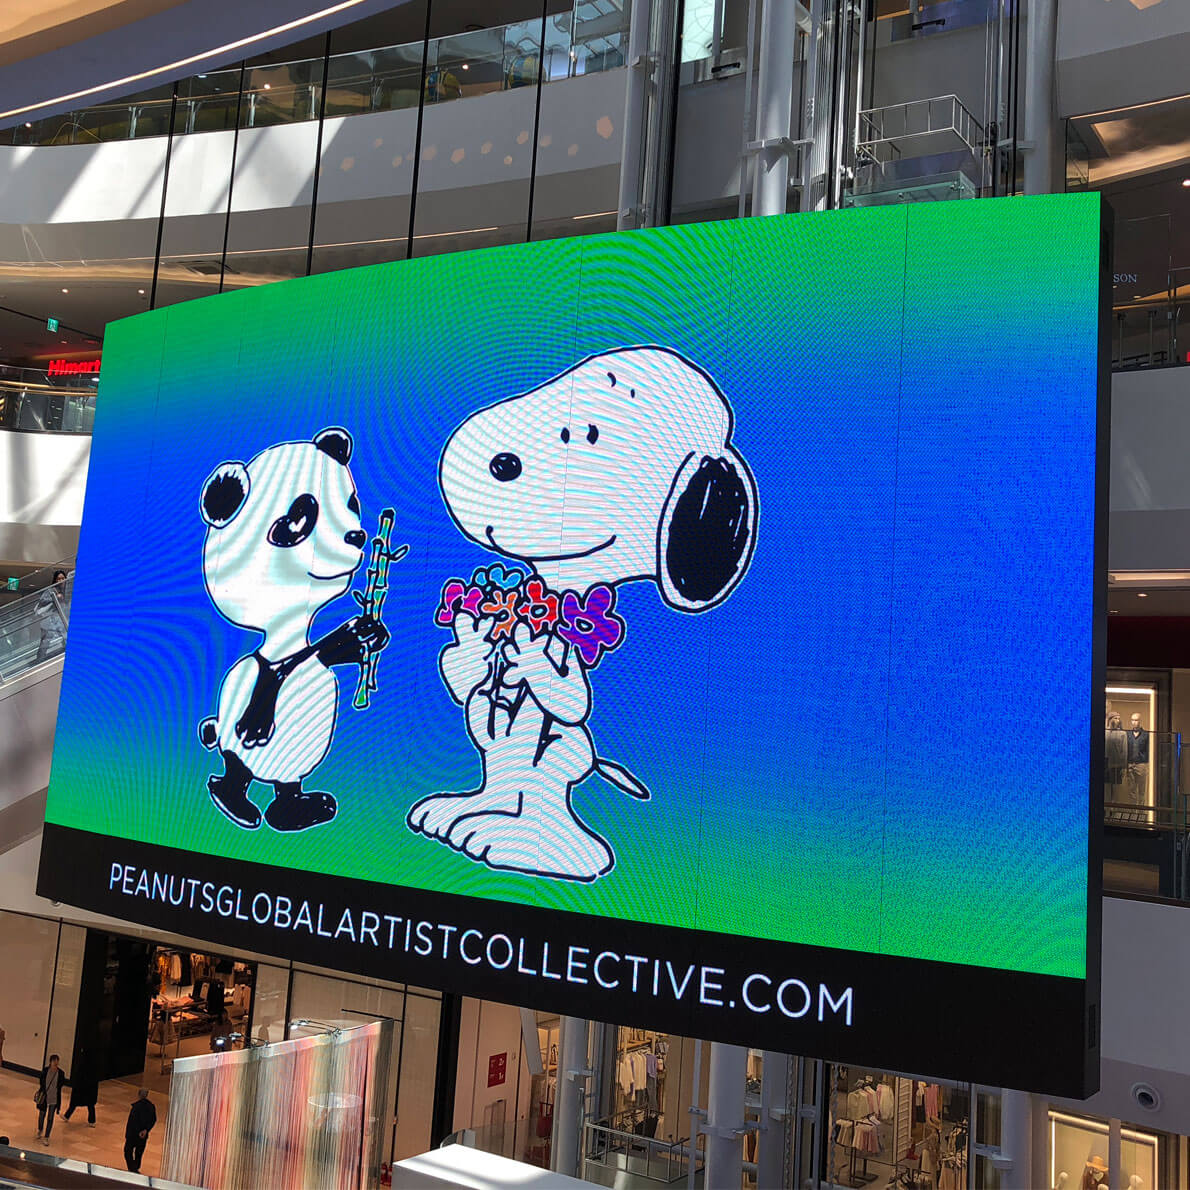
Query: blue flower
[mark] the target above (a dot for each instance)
(498, 577)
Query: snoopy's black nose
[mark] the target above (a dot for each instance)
(505, 467)
(357, 538)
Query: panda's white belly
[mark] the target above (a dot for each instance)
(302, 727)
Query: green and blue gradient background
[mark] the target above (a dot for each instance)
(879, 742)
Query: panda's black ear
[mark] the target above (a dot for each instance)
(336, 442)
(224, 494)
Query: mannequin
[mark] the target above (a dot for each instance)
(1063, 1178)
(1115, 754)
(1095, 1173)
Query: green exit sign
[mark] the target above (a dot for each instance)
(14, 584)
(51, 324)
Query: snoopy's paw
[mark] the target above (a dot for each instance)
(434, 816)
(498, 840)
(516, 843)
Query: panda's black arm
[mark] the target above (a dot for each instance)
(351, 643)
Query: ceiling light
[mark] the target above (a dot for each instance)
(466, 67)
(66, 291)
(28, 125)
(1142, 594)
(1186, 183)
(268, 86)
(140, 291)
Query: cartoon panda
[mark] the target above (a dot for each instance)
(283, 541)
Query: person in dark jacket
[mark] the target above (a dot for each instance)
(141, 1118)
(84, 1088)
(49, 1090)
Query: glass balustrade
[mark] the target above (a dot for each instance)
(41, 409)
(33, 627)
(590, 38)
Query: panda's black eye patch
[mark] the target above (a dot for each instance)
(297, 524)
(353, 503)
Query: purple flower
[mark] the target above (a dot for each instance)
(591, 624)
(456, 595)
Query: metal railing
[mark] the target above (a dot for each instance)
(611, 1149)
(43, 408)
(927, 123)
(586, 39)
(33, 629)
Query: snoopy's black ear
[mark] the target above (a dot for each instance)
(335, 442)
(707, 531)
(224, 494)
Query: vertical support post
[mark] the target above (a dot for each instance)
(771, 1145)
(821, 58)
(1016, 1144)
(725, 1116)
(570, 1096)
(326, 65)
(774, 104)
(635, 109)
(1040, 46)
(1115, 1154)
(169, 148)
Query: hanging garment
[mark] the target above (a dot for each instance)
(885, 1101)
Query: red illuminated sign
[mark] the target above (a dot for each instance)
(69, 367)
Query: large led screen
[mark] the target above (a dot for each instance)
(695, 627)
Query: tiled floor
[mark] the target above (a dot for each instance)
(103, 1144)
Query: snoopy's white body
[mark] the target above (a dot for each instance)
(602, 454)
(531, 734)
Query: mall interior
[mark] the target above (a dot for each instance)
(154, 152)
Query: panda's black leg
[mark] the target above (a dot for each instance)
(295, 810)
(229, 791)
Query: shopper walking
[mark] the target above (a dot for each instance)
(141, 1118)
(49, 1097)
(84, 1088)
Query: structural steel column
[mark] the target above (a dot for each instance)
(635, 113)
(1016, 1141)
(724, 1129)
(1115, 1145)
(569, 1098)
(774, 1120)
(774, 105)
(1041, 143)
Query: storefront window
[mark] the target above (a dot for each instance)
(1079, 1155)
(894, 1130)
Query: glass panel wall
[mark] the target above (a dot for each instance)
(197, 188)
(580, 132)
(365, 180)
(508, 132)
(418, 1061)
(29, 946)
(478, 131)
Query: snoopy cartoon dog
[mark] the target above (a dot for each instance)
(283, 540)
(619, 470)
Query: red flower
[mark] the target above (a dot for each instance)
(540, 610)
